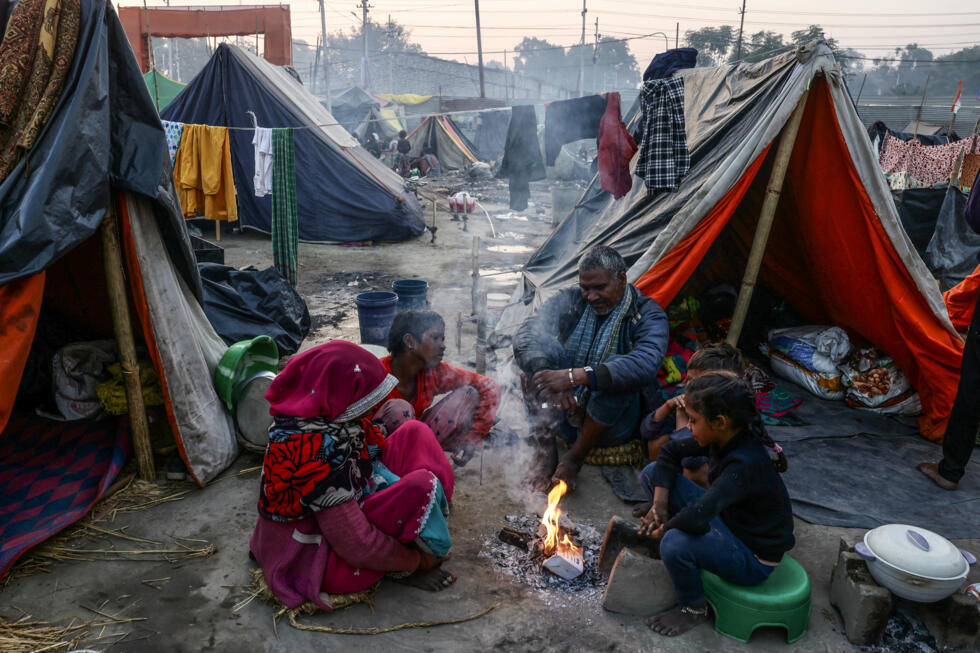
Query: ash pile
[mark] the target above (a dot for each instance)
(516, 551)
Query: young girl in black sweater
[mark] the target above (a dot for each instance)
(742, 525)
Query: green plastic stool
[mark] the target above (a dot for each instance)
(781, 600)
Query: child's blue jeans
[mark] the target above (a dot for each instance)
(718, 551)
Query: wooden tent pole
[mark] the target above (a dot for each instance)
(773, 192)
(119, 305)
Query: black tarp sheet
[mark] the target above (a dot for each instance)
(918, 209)
(953, 250)
(867, 481)
(343, 194)
(243, 304)
(104, 133)
(491, 133)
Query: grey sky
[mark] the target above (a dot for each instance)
(447, 27)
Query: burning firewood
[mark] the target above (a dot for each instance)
(562, 557)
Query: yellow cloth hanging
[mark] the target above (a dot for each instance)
(202, 173)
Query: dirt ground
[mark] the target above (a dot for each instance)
(201, 604)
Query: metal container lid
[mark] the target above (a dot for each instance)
(917, 551)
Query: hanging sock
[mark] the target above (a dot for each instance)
(174, 131)
(285, 221)
(263, 161)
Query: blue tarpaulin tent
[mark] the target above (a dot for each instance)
(343, 192)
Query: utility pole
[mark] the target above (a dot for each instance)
(581, 62)
(326, 67)
(741, 26)
(365, 77)
(479, 48)
(595, 57)
(677, 36)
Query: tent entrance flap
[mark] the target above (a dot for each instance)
(828, 255)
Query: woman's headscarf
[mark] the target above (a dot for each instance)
(319, 452)
(336, 382)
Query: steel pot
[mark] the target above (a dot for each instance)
(914, 563)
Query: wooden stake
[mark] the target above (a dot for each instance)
(119, 306)
(217, 230)
(773, 192)
(475, 256)
(481, 333)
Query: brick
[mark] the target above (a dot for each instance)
(638, 585)
(955, 622)
(864, 605)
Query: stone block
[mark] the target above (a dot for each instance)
(638, 585)
(955, 622)
(864, 605)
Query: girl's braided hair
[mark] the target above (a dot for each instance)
(725, 393)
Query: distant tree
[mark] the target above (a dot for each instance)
(344, 48)
(763, 45)
(613, 57)
(712, 43)
(540, 58)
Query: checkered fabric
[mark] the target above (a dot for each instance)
(664, 159)
(285, 221)
(51, 473)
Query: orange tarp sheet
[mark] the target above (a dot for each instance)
(961, 300)
(828, 238)
(20, 306)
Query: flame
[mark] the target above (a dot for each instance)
(550, 521)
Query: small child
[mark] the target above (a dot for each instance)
(657, 429)
(742, 525)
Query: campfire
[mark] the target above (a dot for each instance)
(551, 547)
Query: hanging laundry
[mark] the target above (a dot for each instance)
(37, 51)
(202, 174)
(664, 159)
(522, 156)
(262, 180)
(616, 150)
(969, 171)
(173, 130)
(667, 63)
(571, 120)
(285, 220)
(910, 164)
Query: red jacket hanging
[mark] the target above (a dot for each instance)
(616, 150)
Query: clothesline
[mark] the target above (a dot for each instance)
(358, 122)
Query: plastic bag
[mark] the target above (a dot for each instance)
(77, 370)
(822, 384)
(875, 382)
(816, 348)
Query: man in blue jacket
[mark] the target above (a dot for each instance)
(586, 355)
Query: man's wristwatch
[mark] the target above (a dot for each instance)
(591, 374)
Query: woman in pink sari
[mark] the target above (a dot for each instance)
(341, 505)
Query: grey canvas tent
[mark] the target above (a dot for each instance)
(446, 140)
(838, 257)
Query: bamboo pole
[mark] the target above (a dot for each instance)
(773, 192)
(119, 306)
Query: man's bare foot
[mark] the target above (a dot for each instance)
(641, 509)
(430, 580)
(678, 620)
(932, 471)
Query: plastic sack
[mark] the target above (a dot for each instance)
(822, 384)
(816, 348)
(462, 202)
(876, 383)
(77, 370)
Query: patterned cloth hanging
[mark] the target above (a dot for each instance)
(285, 221)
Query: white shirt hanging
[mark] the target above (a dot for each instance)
(262, 141)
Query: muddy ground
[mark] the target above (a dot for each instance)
(202, 605)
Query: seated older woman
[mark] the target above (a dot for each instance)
(464, 416)
(341, 505)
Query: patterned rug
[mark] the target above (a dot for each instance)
(51, 473)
